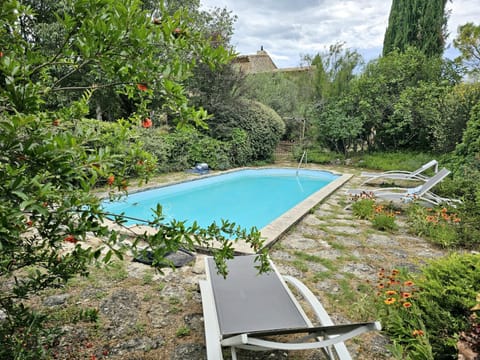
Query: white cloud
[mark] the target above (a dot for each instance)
(289, 29)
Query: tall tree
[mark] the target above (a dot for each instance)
(421, 24)
(468, 42)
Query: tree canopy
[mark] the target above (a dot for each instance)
(421, 24)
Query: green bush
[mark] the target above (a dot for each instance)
(121, 139)
(449, 287)
(262, 124)
(182, 149)
(364, 208)
(384, 222)
(438, 225)
(424, 313)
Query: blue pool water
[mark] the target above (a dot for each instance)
(247, 197)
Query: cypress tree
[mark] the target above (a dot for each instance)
(417, 23)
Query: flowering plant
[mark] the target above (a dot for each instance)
(396, 306)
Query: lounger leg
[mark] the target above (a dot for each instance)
(234, 352)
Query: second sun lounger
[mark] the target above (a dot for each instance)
(421, 194)
(400, 174)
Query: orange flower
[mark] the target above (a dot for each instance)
(407, 304)
(390, 301)
(395, 272)
(380, 286)
(406, 295)
(1, 54)
(408, 283)
(147, 122)
(142, 87)
(70, 239)
(56, 122)
(417, 332)
(390, 292)
(110, 180)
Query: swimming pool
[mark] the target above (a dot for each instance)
(250, 197)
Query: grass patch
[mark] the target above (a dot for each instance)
(329, 264)
(300, 265)
(386, 161)
(183, 331)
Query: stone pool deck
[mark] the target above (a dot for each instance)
(146, 315)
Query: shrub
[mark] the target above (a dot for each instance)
(440, 226)
(425, 313)
(182, 149)
(364, 208)
(382, 217)
(449, 287)
(396, 304)
(384, 221)
(262, 124)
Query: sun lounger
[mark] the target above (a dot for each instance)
(421, 193)
(247, 310)
(400, 174)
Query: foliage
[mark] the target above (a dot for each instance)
(333, 72)
(287, 94)
(317, 156)
(449, 286)
(396, 304)
(364, 208)
(469, 149)
(51, 158)
(335, 128)
(418, 24)
(387, 161)
(438, 225)
(382, 217)
(374, 95)
(262, 124)
(468, 42)
(424, 313)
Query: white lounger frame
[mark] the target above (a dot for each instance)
(401, 174)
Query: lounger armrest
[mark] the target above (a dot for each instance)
(249, 341)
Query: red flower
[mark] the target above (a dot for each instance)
(177, 32)
(29, 223)
(56, 122)
(147, 122)
(70, 239)
(142, 87)
(110, 180)
(417, 333)
(407, 304)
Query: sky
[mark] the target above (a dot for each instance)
(290, 29)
